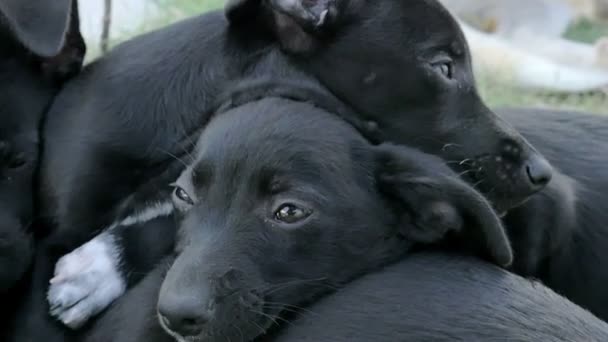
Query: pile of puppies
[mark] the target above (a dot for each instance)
(289, 170)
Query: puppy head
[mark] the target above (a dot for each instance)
(40, 46)
(405, 66)
(17, 167)
(284, 202)
(46, 34)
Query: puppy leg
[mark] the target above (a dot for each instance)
(90, 278)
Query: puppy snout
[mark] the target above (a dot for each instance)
(184, 314)
(511, 151)
(539, 171)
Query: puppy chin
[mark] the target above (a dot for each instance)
(502, 207)
(170, 332)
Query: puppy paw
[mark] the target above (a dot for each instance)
(86, 282)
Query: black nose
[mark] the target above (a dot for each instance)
(539, 170)
(183, 317)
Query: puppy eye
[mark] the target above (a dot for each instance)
(290, 213)
(182, 195)
(445, 68)
(16, 163)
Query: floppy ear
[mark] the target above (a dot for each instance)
(434, 203)
(40, 25)
(50, 31)
(297, 24)
(68, 61)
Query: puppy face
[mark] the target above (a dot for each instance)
(284, 202)
(30, 79)
(405, 66)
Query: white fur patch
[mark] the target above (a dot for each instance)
(159, 209)
(86, 281)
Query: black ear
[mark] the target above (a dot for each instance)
(297, 24)
(68, 61)
(40, 25)
(434, 203)
(50, 31)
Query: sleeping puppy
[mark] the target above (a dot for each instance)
(273, 215)
(40, 47)
(441, 298)
(126, 121)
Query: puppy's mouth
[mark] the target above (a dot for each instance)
(240, 317)
(500, 180)
(165, 325)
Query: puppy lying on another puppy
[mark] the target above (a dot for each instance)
(118, 128)
(443, 298)
(272, 214)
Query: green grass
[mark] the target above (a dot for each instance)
(587, 31)
(494, 92)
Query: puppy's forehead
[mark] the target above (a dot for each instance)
(419, 22)
(274, 123)
(276, 135)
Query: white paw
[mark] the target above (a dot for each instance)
(86, 282)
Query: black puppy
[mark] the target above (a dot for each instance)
(40, 47)
(560, 236)
(120, 125)
(428, 297)
(273, 215)
(434, 298)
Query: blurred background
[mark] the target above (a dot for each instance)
(544, 53)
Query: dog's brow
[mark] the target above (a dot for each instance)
(201, 174)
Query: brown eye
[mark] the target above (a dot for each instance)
(183, 196)
(290, 213)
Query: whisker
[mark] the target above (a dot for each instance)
(292, 310)
(174, 157)
(295, 307)
(465, 172)
(284, 286)
(464, 161)
(236, 327)
(275, 287)
(267, 316)
(478, 183)
(450, 145)
(262, 330)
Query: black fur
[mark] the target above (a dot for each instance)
(128, 118)
(31, 74)
(425, 297)
(560, 236)
(434, 298)
(239, 266)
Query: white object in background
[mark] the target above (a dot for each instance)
(128, 17)
(495, 55)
